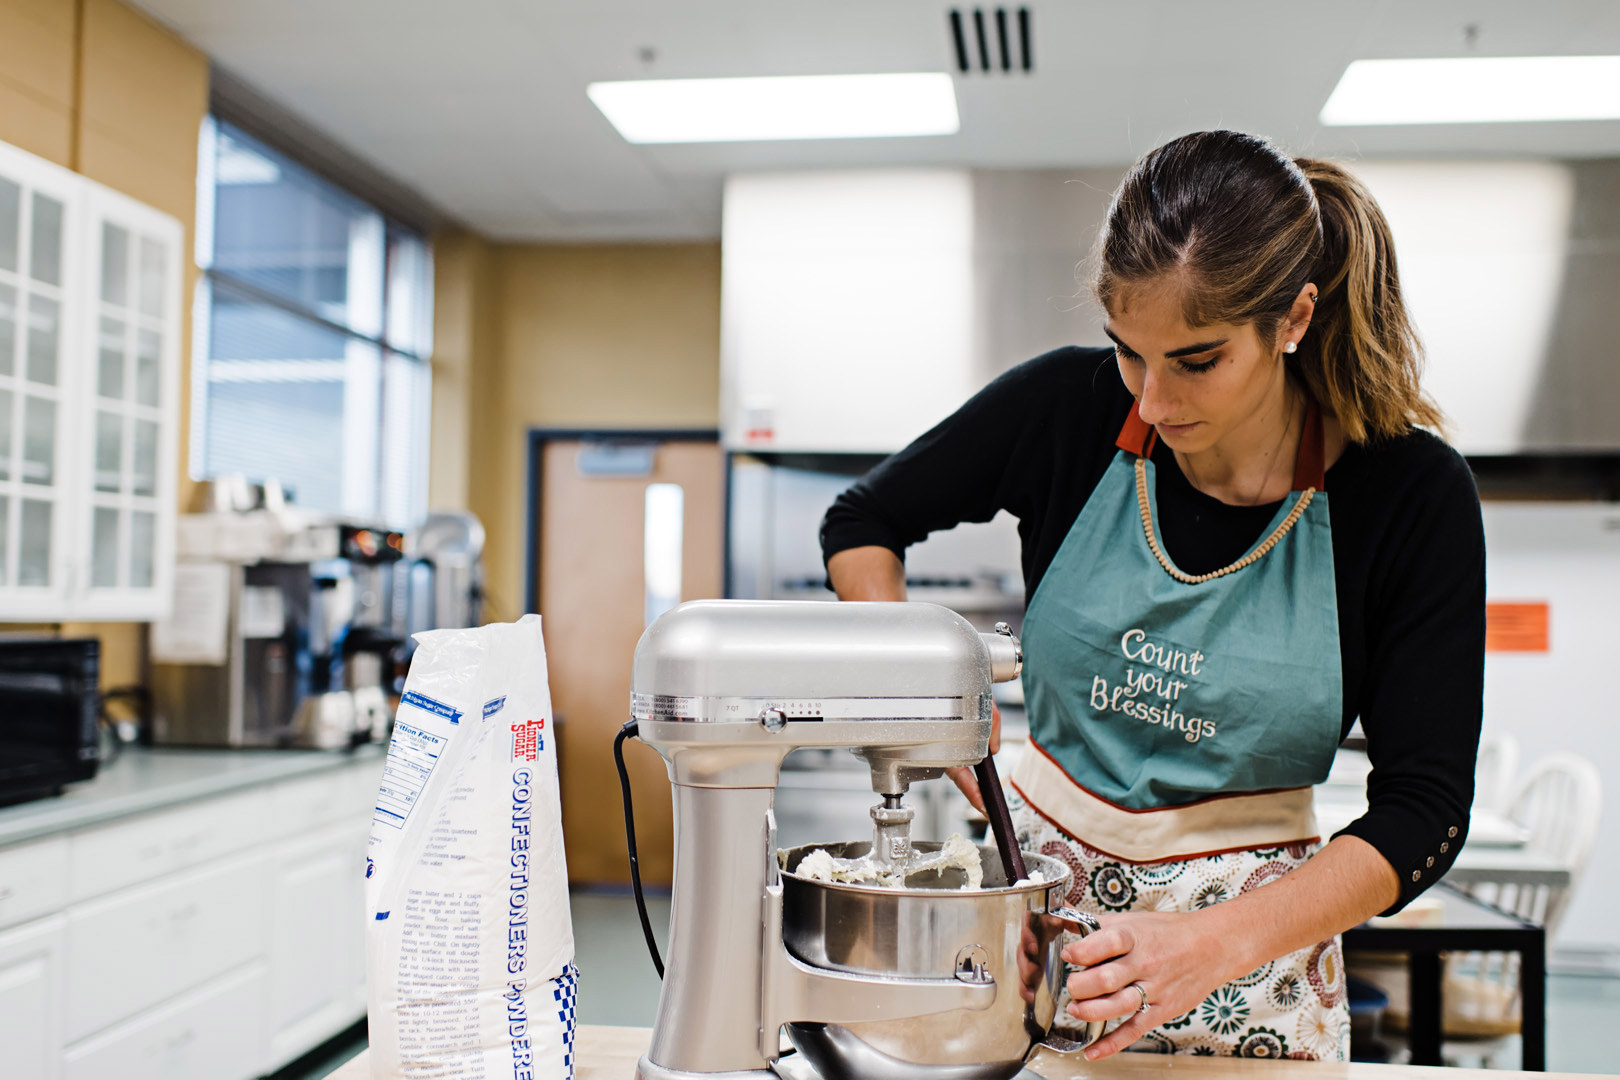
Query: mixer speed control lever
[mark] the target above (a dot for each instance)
(772, 720)
(1006, 653)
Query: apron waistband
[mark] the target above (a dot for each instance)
(1210, 826)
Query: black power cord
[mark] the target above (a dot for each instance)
(629, 732)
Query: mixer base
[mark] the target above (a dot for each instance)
(794, 1067)
(791, 1067)
(646, 1070)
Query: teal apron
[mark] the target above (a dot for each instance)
(1177, 723)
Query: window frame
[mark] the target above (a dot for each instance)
(395, 229)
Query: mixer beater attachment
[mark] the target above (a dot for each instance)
(891, 835)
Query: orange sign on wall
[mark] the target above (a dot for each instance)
(1517, 627)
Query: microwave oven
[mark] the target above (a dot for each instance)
(49, 704)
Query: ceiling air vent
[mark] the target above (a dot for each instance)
(987, 41)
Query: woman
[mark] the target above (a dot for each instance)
(1201, 633)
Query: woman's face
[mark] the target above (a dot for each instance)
(1198, 386)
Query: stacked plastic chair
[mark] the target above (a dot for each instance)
(1559, 802)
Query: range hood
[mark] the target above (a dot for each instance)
(860, 307)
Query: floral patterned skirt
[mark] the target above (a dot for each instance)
(1293, 1007)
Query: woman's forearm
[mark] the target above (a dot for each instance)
(867, 573)
(1342, 886)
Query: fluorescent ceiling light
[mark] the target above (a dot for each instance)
(1476, 90)
(779, 107)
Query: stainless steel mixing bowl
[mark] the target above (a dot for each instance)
(933, 928)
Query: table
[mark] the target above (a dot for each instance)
(1494, 850)
(1507, 867)
(611, 1053)
(1467, 925)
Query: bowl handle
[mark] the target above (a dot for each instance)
(1075, 921)
(1082, 923)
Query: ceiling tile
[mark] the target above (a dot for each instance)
(480, 105)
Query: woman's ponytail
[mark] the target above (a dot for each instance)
(1242, 228)
(1362, 358)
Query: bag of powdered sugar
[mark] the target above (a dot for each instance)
(469, 944)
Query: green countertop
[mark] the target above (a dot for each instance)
(142, 779)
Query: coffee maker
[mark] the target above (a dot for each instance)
(355, 634)
(446, 574)
(375, 634)
(232, 666)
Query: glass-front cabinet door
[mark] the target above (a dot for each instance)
(127, 424)
(89, 397)
(39, 271)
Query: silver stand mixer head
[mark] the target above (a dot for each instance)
(724, 691)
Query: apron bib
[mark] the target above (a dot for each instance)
(1177, 725)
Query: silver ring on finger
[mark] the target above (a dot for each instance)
(1138, 988)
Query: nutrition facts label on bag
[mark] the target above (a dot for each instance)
(412, 755)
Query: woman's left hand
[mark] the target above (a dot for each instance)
(1173, 957)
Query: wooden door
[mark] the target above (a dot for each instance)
(593, 601)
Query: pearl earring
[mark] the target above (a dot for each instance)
(1290, 347)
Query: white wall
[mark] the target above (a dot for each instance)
(1478, 239)
(1569, 556)
(845, 308)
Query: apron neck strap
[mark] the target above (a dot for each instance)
(1137, 436)
(1310, 471)
(1310, 465)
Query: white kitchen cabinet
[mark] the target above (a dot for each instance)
(212, 1032)
(33, 880)
(299, 806)
(138, 947)
(316, 911)
(41, 263)
(109, 858)
(32, 1002)
(90, 316)
(216, 939)
(127, 422)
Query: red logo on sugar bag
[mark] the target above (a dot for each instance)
(528, 740)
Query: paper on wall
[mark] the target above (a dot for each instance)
(196, 630)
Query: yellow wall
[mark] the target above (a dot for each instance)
(600, 336)
(97, 87)
(463, 306)
(38, 83)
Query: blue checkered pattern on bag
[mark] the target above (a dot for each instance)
(565, 992)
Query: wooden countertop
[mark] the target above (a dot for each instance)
(611, 1053)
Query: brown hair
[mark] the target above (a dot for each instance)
(1241, 228)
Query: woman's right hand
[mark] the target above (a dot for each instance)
(964, 778)
(876, 573)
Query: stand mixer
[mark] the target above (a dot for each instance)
(873, 982)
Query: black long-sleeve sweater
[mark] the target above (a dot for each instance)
(1408, 551)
